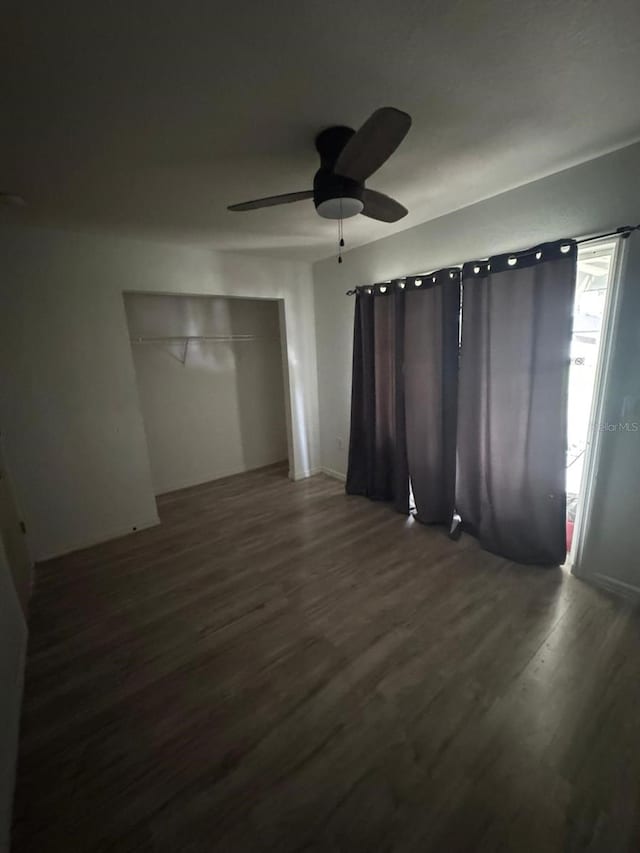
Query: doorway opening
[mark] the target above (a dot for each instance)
(211, 384)
(592, 320)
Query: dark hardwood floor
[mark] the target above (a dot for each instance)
(280, 667)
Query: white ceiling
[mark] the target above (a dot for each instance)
(150, 118)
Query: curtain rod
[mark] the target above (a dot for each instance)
(623, 231)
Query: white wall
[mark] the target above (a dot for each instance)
(596, 196)
(74, 435)
(220, 412)
(13, 643)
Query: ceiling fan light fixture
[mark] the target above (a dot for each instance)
(340, 208)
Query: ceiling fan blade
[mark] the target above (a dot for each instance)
(381, 207)
(374, 143)
(271, 200)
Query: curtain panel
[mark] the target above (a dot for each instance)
(404, 393)
(512, 405)
(377, 443)
(432, 313)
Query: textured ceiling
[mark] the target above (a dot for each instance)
(150, 118)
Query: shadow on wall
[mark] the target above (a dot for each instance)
(293, 289)
(259, 382)
(12, 536)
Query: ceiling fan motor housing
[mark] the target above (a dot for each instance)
(335, 196)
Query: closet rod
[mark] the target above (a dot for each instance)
(188, 338)
(623, 231)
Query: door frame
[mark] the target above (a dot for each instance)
(13, 535)
(610, 320)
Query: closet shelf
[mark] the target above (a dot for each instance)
(185, 340)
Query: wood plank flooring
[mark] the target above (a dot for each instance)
(279, 667)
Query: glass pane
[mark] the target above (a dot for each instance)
(591, 288)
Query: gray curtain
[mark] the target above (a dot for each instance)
(512, 403)
(377, 444)
(404, 394)
(432, 311)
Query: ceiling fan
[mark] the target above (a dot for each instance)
(347, 159)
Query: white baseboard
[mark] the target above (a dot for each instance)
(626, 590)
(303, 475)
(311, 472)
(335, 474)
(190, 483)
(98, 539)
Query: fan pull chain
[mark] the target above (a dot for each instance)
(340, 234)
